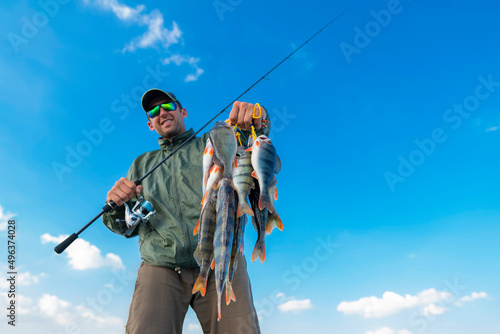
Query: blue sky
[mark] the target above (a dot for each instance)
(387, 126)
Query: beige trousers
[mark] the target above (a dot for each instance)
(162, 297)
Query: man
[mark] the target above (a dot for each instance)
(167, 274)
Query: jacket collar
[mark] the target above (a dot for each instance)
(167, 143)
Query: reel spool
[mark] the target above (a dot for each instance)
(141, 212)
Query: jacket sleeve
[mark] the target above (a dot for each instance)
(109, 218)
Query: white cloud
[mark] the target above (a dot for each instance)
(64, 313)
(392, 303)
(296, 305)
(82, 255)
(178, 60)
(387, 330)
(473, 296)
(194, 77)
(29, 279)
(24, 305)
(156, 34)
(493, 128)
(4, 218)
(55, 308)
(433, 309)
(280, 295)
(404, 331)
(51, 314)
(123, 12)
(194, 327)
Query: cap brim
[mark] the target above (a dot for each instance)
(154, 93)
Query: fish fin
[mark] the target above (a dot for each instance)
(277, 165)
(275, 193)
(265, 202)
(235, 163)
(197, 228)
(254, 174)
(196, 254)
(200, 285)
(259, 252)
(257, 143)
(216, 160)
(255, 223)
(229, 293)
(273, 221)
(212, 265)
(242, 246)
(249, 149)
(204, 198)
(243, 208)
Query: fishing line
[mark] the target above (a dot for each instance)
(111, 205)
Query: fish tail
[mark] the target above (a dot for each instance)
(265, 202)
(229, 293)
(243, 208)
(259, 252)
(200, 285)
(273, 221)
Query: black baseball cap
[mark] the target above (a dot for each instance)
(152, 94)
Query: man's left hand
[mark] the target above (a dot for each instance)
(242, 112)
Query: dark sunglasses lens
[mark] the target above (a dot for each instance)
(154, 112)
(169, 106)
(166, 106)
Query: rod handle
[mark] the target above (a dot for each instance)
(63, 245)
(111, 205)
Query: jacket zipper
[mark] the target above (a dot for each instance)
(184, 225)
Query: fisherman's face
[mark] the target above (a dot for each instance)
(169, 123)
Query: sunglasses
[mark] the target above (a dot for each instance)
(170, 106)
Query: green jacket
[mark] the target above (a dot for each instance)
(175, 190)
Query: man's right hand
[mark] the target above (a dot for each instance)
(123, 191)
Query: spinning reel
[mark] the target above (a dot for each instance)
(142, 211)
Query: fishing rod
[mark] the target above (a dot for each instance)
(142, 211)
